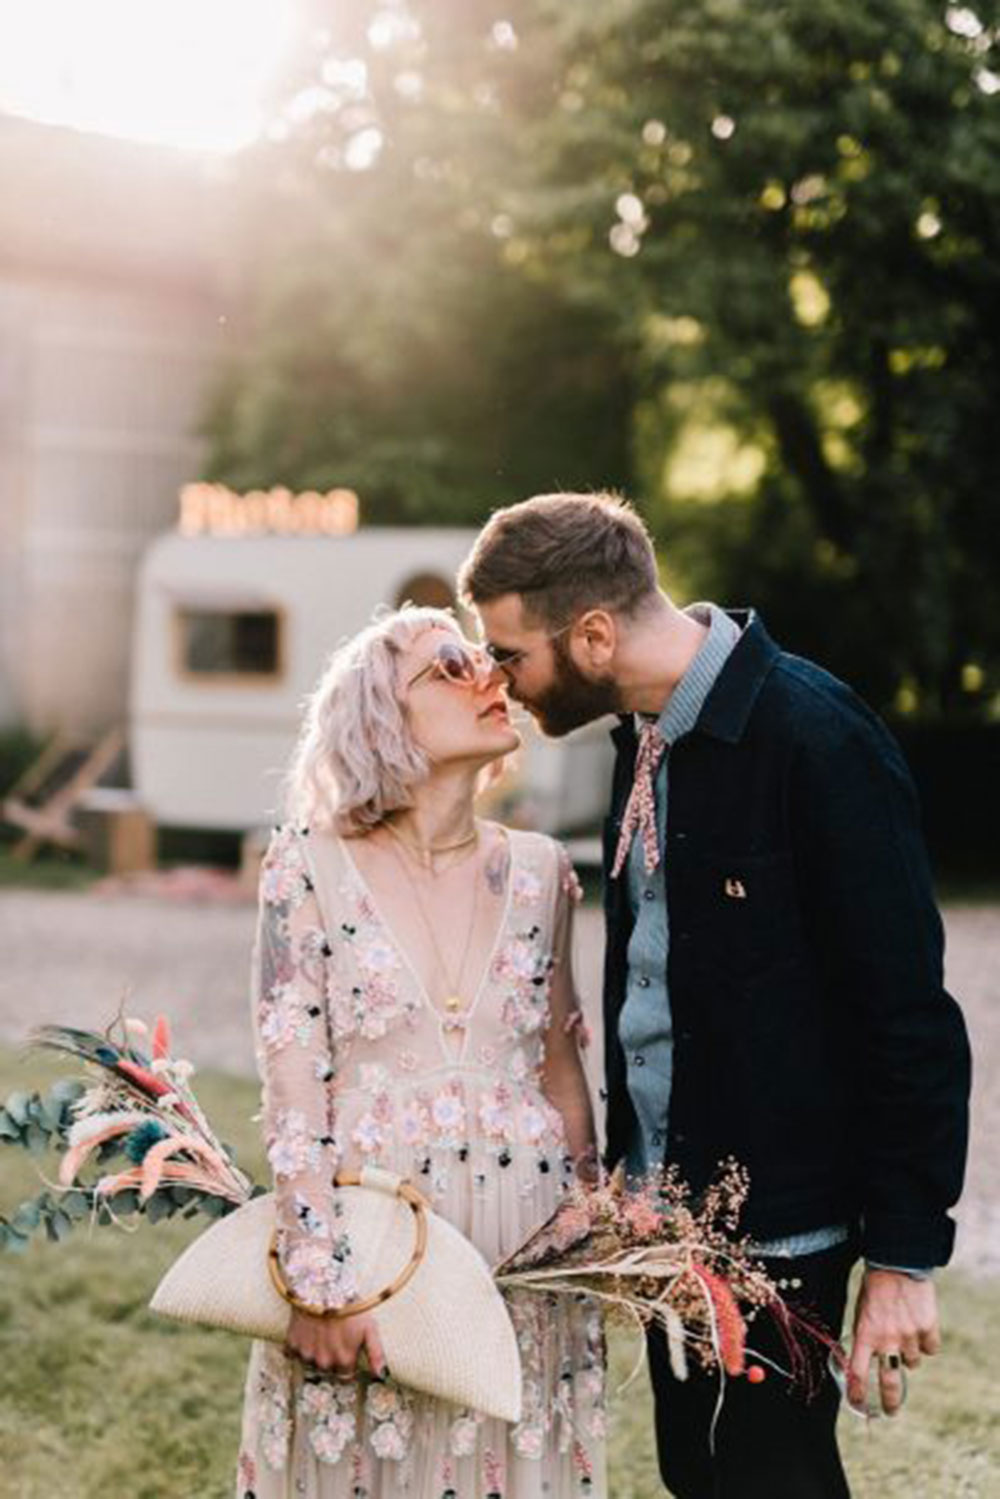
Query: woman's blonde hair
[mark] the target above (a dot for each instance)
(356, 760)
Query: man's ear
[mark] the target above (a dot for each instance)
(596, 633)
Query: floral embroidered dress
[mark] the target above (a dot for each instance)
(359, 1067)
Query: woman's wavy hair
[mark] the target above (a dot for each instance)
(356, 760)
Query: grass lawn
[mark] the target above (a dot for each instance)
(50, 871)
(100, 1400)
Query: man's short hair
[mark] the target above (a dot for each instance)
(563, 553)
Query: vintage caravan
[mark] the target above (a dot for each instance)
(238, 610)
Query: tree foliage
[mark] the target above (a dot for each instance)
(391, 347)
(807, 196)
(739, 255)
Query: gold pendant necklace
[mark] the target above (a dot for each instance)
(454, 1004)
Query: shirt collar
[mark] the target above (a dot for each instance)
(729, 703)
(682, 708)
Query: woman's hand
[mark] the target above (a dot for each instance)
(333, 1343)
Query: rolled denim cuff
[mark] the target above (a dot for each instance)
(914, 1274)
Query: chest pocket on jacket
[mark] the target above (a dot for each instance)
(744, 911)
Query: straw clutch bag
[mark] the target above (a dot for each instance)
(442, 1321)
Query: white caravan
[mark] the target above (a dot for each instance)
(233, 626)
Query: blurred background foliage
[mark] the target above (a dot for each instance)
(738, 258)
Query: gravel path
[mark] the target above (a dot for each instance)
(71, 957)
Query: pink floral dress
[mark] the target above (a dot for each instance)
(360, 1068)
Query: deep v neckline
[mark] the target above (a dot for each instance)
(441, 1016)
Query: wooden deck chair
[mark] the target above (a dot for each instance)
(48, 820)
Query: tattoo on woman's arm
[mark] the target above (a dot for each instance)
(496, 870)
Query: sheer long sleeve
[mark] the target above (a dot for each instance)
(563, 1077)
(295, 1061)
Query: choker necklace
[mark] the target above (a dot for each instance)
(426, 852)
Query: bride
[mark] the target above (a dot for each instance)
(415, 1009)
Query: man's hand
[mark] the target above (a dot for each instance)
(895, 1314)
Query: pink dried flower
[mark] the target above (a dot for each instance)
(729, 1323)
(642, 1218)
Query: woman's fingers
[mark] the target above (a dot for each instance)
(373, 1343)
(342, 1348)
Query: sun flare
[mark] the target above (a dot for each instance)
(190, 73)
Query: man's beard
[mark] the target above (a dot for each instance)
(573, 699)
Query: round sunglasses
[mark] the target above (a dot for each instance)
(452, 662)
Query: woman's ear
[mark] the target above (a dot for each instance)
(597, 633)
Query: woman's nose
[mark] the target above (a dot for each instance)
(488, 673)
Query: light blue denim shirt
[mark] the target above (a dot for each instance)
(644, 1025)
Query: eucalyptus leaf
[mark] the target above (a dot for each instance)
(9, 1129)
(16, 1242)
(36, 1139)
(67, 1089)
(59, 1226)
(27, 1217)
(76, 1205)
(17, 1107)
(35, 1107)
(159, 1207)
(51, 1115)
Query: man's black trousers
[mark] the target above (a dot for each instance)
(770, 1442)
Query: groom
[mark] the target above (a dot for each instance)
(773, 978)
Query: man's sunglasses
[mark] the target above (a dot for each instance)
(509, 659)
(452, 662)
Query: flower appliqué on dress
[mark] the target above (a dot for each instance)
(274, 1412)
(371, 1001)
(291, 1148)
(329, 1412)
(448, 1114)
(318, 1269)
(285, 1017)
(526, 888)
(390, 1411)
(496, 1116)
(283, 880)
(463, 1434)
(374, 1129)
(524, 968)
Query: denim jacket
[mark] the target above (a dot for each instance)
(813, 1037)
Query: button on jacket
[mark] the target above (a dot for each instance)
(813, 1036)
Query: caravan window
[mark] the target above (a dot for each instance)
(229, 642)
(429, 590)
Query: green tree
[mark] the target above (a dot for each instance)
(796, 204)
(740, 256)
(393, 342)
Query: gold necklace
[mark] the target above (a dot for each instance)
(454, 1003)
(426, 852)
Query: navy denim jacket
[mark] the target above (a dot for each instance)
(814, 1039)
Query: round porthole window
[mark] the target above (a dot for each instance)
(429, 590)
